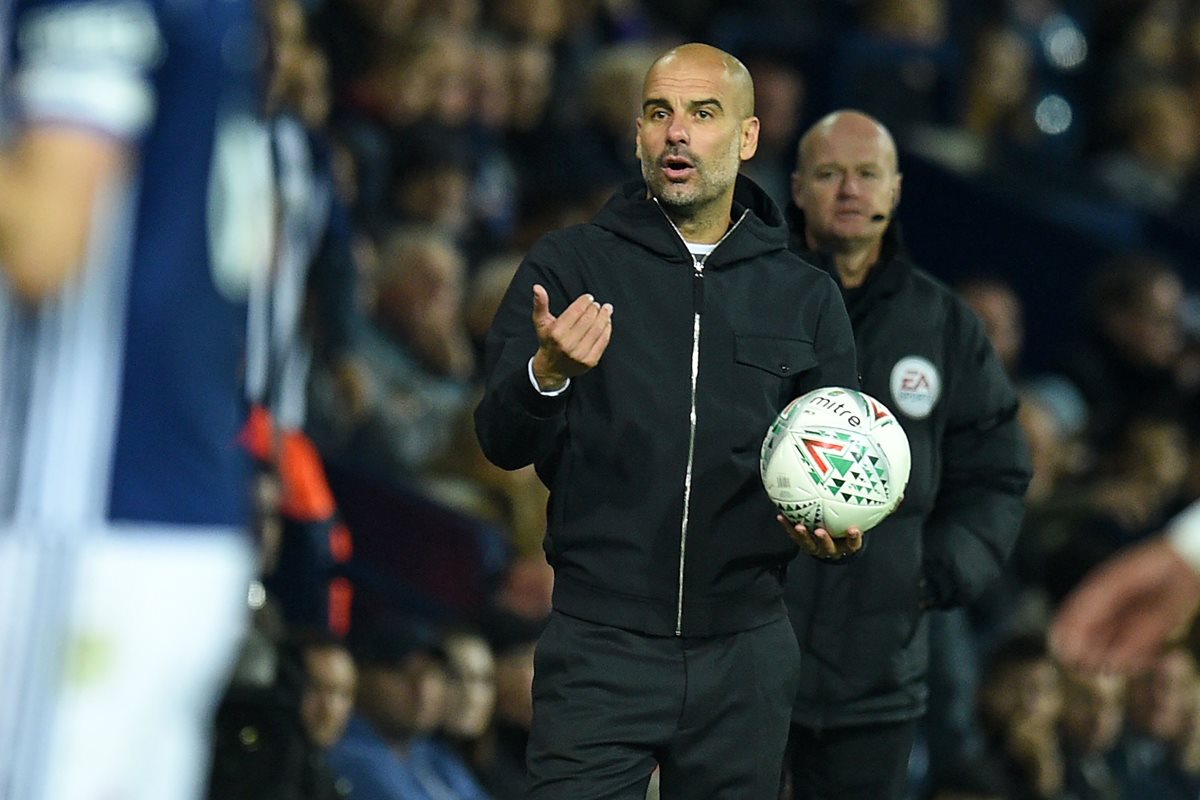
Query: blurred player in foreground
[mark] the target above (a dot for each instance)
(1122, 614)
(135, 208)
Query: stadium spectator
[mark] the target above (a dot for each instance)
(1158, 756)
(1092, 722)
(1020, 707)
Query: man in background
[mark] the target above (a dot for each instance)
(862, 626)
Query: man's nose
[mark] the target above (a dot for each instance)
(677, 131)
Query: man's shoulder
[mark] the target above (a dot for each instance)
(802, 267)
(927, 288)
(574, 236)
(924, 281)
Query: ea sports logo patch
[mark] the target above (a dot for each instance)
(916, 386)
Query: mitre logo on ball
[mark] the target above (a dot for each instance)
(836, 459)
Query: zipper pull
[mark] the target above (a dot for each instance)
(698, 287)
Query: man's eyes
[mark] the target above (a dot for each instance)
(830, 174)
(701, 113)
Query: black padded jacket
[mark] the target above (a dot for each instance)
(861, 624)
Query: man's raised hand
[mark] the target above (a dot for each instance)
(571, 343)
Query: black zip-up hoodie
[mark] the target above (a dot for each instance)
(657, 520)
(924, 354)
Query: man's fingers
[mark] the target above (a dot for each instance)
(595, 339)
(575, 339)
(853, 540)
(580, 324)
(579, 316)
(541, 307)
(825, 542)
(799, 534)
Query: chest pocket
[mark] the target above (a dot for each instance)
(783, 358)
(763, 382)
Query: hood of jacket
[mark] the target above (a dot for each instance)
(632, 215)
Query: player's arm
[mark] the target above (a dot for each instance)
(82, 95)
(50, 180)
(1125, 611)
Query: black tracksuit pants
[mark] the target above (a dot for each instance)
(610, 704)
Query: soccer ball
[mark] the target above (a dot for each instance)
(835, 459)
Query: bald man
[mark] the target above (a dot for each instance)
(638, 361)
(925, 355)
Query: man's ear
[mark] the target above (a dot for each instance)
(749, 138)
(637, 140)
(797, 188)
(896, 191)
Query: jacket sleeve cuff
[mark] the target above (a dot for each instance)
(522, 392)
(540, 390)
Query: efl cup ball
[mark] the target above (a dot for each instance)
(835, 459)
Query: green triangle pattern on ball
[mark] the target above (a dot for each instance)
(856, 474)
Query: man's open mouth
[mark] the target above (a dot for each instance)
(677, 168)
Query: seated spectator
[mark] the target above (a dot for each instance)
(400, 703)
(418, 365)
(1000, 310)
(331, 681)
(899, 64)
(1154, 161)
(992, 127)
(432, 175)
(1133, 493)
(1157, 755)
(1092, 720)
(264, 745)
(597, 157)
(1021, 600)
(1130, 343)
(512, 638)
(780, 92)
(326, 702)
(1020, 704)
(471, 694)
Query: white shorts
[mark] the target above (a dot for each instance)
(114, 650)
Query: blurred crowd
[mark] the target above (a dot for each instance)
(423, 145)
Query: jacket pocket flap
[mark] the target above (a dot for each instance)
(781, 357)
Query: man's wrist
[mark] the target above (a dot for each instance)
(547, 391)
